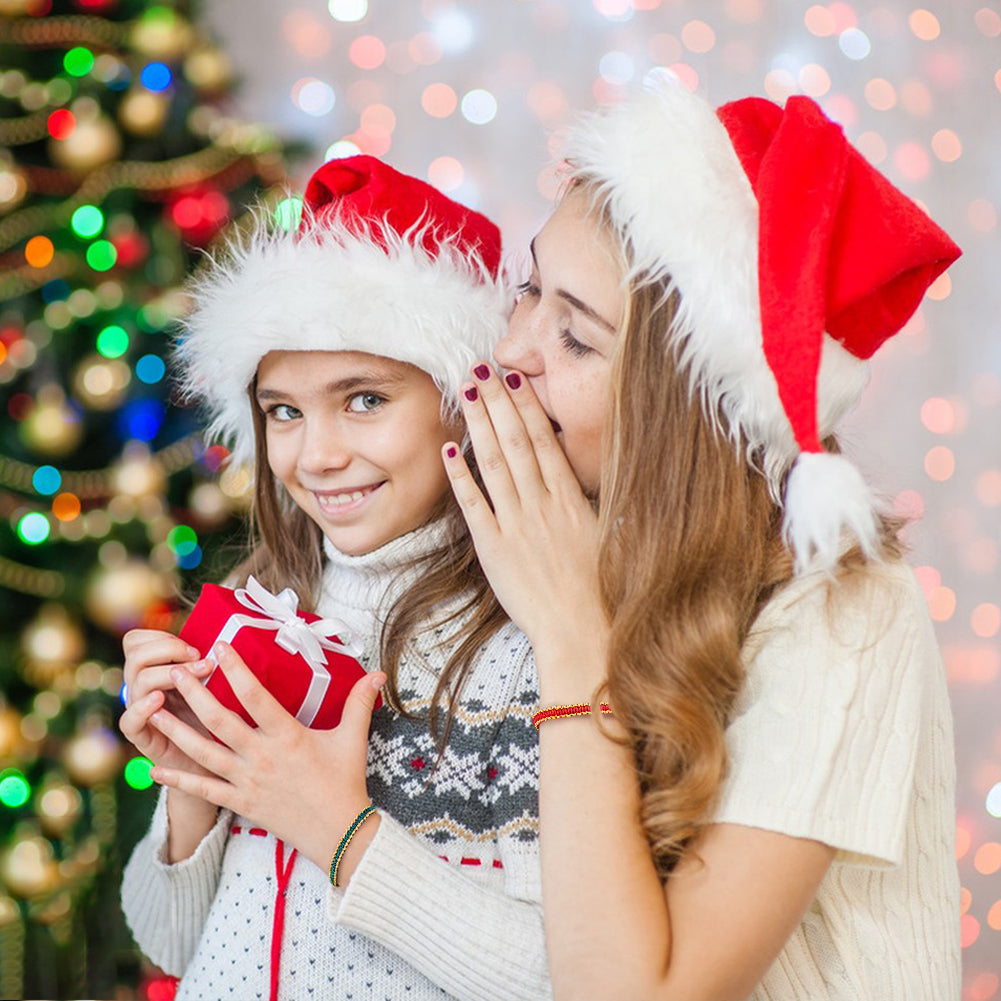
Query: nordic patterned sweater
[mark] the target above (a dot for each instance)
(445, 901)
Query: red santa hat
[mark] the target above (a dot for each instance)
(382, 263)
(794, 260)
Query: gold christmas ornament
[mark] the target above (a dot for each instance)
(12, 741)
(208, 69)
(52, 644)
(92, 757)
(59, 805)
(161, 34)
(100, 383)
(137, 474)
(117, 597)
(28, 866)
(142, 112)
(14, 8)
(210, 504)
(53, 428)
(94, 142)
(13, 186)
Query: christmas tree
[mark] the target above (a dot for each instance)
(118, 162)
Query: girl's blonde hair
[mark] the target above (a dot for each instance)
(691, 550)
(285, 549)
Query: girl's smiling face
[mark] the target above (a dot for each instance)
(356, 440)
(563, 331)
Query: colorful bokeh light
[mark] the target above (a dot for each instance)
(113, 341)
(102, 255)
(87, 221)
(137, 773)
(78, 61)
(47, 480)
(156, 77)
(33, 528)
(15, 790)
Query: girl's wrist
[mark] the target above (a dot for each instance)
(189, 819)
(355, 839)
(327, 832)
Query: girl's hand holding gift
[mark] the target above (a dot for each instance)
(304, 786)
(150, 657)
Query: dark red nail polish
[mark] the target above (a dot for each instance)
(513, 379)
(451, 451)
(471, 394)
(482, 372)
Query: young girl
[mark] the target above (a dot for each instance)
(764, 807)
(333, 356)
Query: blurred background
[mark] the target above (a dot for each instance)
(133, 133)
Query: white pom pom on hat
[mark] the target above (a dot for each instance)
(382, 263)
(794, 259)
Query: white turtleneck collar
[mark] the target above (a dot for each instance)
(360, 589)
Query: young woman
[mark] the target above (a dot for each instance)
(333, 357)
(766, 808)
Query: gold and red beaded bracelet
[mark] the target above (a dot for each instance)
(555, 712)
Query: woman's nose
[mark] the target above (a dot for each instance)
(518, 348)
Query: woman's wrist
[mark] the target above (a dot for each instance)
(572, 667)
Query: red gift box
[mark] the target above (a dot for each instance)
(297, 656)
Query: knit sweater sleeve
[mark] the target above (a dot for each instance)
(477, 943)
(166, 904)
(824, 738)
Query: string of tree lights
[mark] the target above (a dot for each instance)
(118, 162)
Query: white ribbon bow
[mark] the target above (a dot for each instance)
(294, 635)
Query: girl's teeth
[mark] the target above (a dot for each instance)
(341, 499)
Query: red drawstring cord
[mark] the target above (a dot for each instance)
(283, 870)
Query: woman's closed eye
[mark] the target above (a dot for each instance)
(365, 403)
(573, 346)
(526, 288)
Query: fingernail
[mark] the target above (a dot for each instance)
(451, 451)
(513, 379)
(176, 675)
(219, 651)
(482, 372)
(377, 681)
(193, 653)
(471, 394)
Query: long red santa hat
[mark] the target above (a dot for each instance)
(794, 259)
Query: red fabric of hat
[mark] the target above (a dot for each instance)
(839, 247)
(364, 191)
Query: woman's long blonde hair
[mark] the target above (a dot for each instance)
(691, 550)
(285, 549)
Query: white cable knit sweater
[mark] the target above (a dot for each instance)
(446, 900)
(843, 734)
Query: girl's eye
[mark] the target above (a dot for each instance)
(283, 413)
(365, 403)
(526, 288)
(573, 346)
